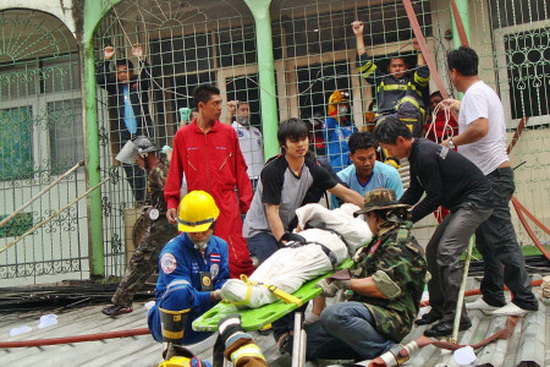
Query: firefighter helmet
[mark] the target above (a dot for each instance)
(197, 212)
(337, 97)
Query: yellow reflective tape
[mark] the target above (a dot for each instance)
(172, 334)
(174, 312)
(421, 81)
(249, 350)
(367, 69)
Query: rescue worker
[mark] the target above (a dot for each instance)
(338, 129)
(387, 283)
(208, 153)
(193, 268)
(156, 234)
(399, 92)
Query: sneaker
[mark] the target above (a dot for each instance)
(116, 310)
(511, 309)
(481, 305)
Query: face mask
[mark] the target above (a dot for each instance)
(242, 120)
(200, 245)
(342, 110)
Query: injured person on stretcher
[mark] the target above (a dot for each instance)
(323, 240)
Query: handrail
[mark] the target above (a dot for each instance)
(44, 190)
(53, 215)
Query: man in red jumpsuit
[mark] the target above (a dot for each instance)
(208, 152)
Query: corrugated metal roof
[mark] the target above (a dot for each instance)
(527, 346)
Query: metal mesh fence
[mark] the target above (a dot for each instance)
(191, 42)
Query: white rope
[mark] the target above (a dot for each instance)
(448, 131)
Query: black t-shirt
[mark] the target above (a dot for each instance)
(447, 177)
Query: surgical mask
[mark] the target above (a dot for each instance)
(342, 110)
(200, 245)
(242, 120)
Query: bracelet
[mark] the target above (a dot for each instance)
(451, 144)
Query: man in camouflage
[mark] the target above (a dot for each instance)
(157, 231)
(387, 283)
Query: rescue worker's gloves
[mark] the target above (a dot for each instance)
(341, 280)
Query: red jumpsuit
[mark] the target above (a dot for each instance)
(213, 162)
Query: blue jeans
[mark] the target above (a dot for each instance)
(262, 245)
(346, 330)
(502, 258)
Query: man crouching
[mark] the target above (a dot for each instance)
(387, 283)
(193, 268)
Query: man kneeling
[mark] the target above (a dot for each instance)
(387, 283)
(193, 268)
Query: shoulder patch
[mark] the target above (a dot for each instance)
(168, 263)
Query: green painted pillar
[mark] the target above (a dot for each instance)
(266, 70)
(94, 11)
(462, 6)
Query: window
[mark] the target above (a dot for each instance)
(16, 151)
(524, 71)
(66, 135)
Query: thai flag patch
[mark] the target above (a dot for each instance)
(215, 258)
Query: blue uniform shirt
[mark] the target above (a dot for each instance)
(336, 140)
(180, 259)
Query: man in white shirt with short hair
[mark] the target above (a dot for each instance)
(482, 139)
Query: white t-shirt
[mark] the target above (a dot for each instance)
(250, 141)
(481, 101)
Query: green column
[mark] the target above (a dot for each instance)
(462, 6)
(94, 11)
(266, 70)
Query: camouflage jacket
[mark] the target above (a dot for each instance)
(397, 264)
(155, 185)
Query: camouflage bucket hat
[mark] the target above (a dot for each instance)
(379, 199)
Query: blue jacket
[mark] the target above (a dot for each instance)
(180, 260)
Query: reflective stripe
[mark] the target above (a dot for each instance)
(197, 223)
(419, 80)
(177, 282)
(172, 334)
(174, 312)
(367, 69)
(249, 350)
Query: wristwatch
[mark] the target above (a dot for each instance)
(450, 144)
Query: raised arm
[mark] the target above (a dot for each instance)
(358, 28)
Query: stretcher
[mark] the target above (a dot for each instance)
(255, 319)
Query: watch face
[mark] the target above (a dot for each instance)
(153, 214)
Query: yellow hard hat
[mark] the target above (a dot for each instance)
(198, 211)
(336, 98)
